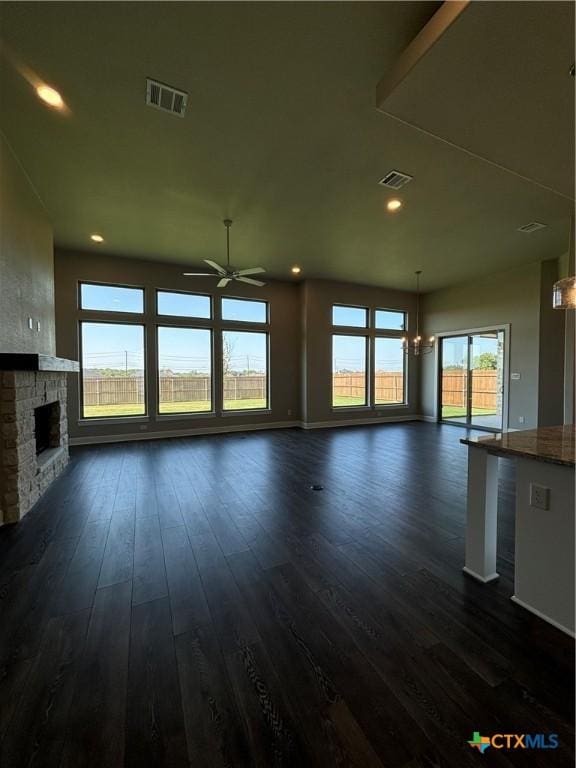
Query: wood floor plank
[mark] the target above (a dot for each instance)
(149, 568)
(187, 599)
(35, 736)
(154, 715)
(95, 733)
(214, 730)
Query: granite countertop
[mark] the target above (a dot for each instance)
(551, 444)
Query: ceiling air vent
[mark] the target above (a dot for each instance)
(532, 227)
(395, 180)
(165, 97)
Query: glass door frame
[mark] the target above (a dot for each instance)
(505, 330)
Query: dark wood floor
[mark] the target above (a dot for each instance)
(194, 602)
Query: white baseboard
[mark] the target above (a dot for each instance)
(144, 435)
(356, 422)
(131, 437)
(542, 616)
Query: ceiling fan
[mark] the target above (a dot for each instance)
(228, 273)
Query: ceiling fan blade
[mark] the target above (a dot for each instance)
(198, 274)
(217, 267)
(223, 282)
(250, 281)
(253, 271)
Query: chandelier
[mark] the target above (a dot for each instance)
(417, 345)
(564, 292)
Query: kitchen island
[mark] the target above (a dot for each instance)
(544, 549)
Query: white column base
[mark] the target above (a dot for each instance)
(483, 579)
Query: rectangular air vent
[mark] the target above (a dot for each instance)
(165, 97)
(395, 180)
(532, 227)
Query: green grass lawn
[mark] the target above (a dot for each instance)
(198, 406)
(456, 411)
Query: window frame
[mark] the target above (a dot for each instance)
(140, 288)
(367, 377)
(365, 327)
(209, 319)
(403, 312)
(250, 323)
(186, 414)
(126, 417)
(371, 333)
(264, 331)
(404, 403)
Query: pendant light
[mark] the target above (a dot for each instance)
(564, 291)
(417, 345)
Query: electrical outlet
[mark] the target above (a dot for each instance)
(289, 411)
(539, 497)
(143, 427)
(520, 419)
(515, 376)
(31, 323)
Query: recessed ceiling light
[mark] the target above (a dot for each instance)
(296, 270)
(97, 238)
(50, 96)
(394, 204)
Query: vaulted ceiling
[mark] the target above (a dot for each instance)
(282, 133)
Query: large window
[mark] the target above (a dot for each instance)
(178, 304)
(112, 370)
(389, 320)
(184, 370)
(352, 317)
(388, 371)
(368, 360)
(111, 298)
(245, 370)
(181, 331)
(245, 310)
(349, 382)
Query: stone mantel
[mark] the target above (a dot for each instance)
(33, 362)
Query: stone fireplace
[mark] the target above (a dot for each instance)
(33, 429)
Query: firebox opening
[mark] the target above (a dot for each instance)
(46, 419)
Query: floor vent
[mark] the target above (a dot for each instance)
(165, 97)
(395, 180)
(532, 227)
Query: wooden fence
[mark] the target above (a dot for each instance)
(389, 386)
(102, 390)
(484, 388)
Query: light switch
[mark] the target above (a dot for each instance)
(38, 326)
(31, 323)
(539, 497)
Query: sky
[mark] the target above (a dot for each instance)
(121, 346)
(454, 349)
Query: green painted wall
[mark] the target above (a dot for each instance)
(521, 298)
(26, 263)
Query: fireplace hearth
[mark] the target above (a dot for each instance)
(33, 429)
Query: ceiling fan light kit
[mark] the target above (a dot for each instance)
(227, 274)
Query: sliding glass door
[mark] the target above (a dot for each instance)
(471, 379)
